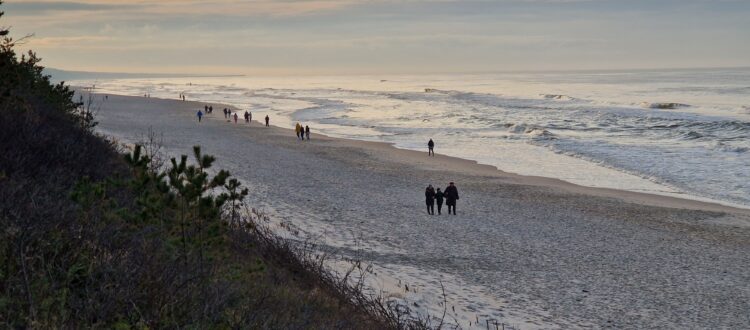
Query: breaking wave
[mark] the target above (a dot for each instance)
(557, 97)
(664, 106)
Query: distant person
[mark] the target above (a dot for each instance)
(235, 117)
(439, 199)
(451, 196)
(247, 117)
(429, 195)
(298, 129)
(205, 108)
(267, 120)
(430, 147)
(307, 132)
(200, 115)
(225, 113)
(210, 108)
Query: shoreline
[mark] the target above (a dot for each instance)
(442, 161)
(538, 252)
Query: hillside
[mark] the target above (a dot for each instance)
(93, 236)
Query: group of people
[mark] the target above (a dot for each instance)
(302, 131)
(432, 195)
(228, 115)
(182, 96)
(450, 196)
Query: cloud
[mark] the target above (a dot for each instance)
(181, 7)
(371, 34)
(61, 42)
(40, 7)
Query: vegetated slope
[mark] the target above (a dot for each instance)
(89, 238)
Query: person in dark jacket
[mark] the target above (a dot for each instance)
(267, 120)
(430, 147)
(307, 132)
(451, 196)
(247, 117)
(429, 195)
(439, 198)
(200, 115)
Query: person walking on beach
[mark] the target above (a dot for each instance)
(205, 108)
(307, 132)
(235, 117)
(200, 115)
(210, 108)
(429, 195)
(247, 117)
(430, 147)
(225, 113)
(439, 198)
(298, 130)
(267, 120)
(451, 196)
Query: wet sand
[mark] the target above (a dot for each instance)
(536, 252)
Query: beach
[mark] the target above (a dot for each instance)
(528, 251)
(682, 134)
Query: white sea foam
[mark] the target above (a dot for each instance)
(590, 129)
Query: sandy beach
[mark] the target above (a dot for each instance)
(530, 251)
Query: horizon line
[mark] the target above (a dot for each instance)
(467, 72)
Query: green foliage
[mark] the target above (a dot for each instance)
(92, 239)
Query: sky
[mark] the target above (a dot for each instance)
(302, 37)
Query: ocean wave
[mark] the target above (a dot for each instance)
(557, 97)
(721, 146)
(664, 105)
(691, 135)
(650, 162)
(532, 131)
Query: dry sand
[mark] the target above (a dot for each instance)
(536, 252)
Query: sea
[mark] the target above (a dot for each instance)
(683, 133)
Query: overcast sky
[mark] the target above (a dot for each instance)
(382, 36)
